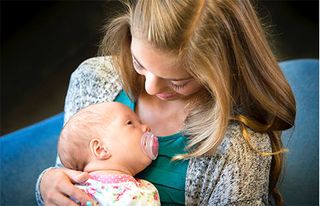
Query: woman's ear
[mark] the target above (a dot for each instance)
(98, 150)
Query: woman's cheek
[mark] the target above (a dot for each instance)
(190, 90)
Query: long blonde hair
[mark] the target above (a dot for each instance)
(222, 44)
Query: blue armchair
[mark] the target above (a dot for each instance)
(26, 152)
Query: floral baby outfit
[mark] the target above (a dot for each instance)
(120, 189)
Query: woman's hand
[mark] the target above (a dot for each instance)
(57, 185)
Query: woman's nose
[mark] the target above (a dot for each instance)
(153, 84)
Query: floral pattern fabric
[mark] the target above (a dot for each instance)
(122, 190)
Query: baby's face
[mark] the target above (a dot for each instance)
(125, 137)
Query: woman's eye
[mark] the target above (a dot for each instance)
(178, 86)
(137, 66)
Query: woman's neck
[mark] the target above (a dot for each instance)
(163, 117)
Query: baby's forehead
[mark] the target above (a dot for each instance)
(123, 111)
(107, 107)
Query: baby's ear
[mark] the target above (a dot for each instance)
(99, 150)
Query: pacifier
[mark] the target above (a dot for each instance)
(150, 145)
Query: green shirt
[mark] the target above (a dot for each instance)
(167, 176)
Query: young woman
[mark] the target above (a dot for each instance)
(202, 76)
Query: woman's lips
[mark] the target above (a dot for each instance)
(165, 96)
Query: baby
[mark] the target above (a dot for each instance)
(108, 141)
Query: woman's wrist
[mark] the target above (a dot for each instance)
(39, 198)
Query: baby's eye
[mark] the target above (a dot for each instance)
(129, 122)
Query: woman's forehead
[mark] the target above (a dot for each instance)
(162, 64)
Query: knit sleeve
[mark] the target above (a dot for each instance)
(94, 81)
(235, 175)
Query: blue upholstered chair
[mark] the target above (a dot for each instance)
(301, 173)
(26, 152)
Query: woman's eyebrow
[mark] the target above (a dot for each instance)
(174, 79)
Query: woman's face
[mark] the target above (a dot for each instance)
(162, 78)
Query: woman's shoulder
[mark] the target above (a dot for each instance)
(94, 81)
(101, 67)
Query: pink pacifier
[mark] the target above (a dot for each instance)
(150, 145)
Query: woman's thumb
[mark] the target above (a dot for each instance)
(77, 176)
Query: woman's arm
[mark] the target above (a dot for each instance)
(92, 82)
(235, 175)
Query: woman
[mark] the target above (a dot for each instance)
(202, 76)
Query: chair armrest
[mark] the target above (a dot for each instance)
(24, 155)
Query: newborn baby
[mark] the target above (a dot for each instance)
(108, 141)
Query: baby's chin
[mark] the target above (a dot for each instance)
(148, 162)
(145, 164)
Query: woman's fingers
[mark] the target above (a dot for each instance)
(74, 192)
(61, 200)
(55, 198)
(76, 176)
(56, 188)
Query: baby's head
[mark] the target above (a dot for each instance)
(107, 136)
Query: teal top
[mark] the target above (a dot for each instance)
(167, 176)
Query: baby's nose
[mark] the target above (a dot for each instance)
(145, 128)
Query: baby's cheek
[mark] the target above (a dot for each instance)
(146, 161)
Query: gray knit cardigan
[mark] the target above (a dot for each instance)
(234, 175)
